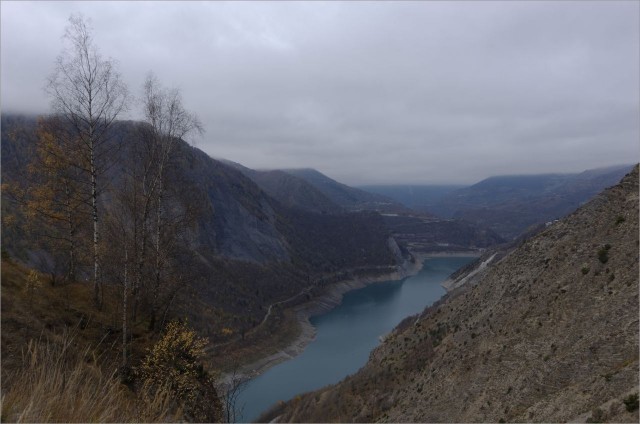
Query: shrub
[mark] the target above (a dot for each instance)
(631, 402)
(585, 270)
(620, 219)
(597, 416)
(174, 362)
(603, 254)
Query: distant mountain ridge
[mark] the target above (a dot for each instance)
(290, 190)
(510, 204)
(350, 198)
(415, 196)
(309, 189)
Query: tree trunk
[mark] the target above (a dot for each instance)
(142, 255)
(71, 272)
(97, 289)
(156, 288)
(125, 294)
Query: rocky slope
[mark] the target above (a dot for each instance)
(548, 334)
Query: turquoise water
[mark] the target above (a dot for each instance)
(347, 334)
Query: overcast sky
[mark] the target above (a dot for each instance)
(380, 92)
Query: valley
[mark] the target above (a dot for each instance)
(547, 332)
(319, 211)
(278, 248)
(273, 245)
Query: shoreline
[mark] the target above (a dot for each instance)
(330, 298)
(325, 302)
(423, 256)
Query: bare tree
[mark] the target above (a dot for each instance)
(87, 91)
(149, 214)
(230, 389)
(167, 123)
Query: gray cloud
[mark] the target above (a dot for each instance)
(369, 92)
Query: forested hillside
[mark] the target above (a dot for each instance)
(250, 249)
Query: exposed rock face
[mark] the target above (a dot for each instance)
(238, 219)
(549, 333)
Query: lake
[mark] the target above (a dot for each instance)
(347, 334)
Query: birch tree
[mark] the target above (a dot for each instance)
(88, 93)
(167, 123)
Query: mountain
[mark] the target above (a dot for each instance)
(417, 197)
(420, 232)
(548, 333)
(510, 204)
(291, 191)
(248, 249)
(347, 197)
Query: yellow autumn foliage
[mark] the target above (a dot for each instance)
(174, 362)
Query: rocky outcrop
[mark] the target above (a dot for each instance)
(549, 333)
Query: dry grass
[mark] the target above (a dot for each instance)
(49, 374)
(52, 310)
(58, 384)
